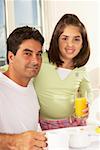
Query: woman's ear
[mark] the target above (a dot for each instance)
(10, 57)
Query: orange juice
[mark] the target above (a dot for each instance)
(97, 129)
(80, 105)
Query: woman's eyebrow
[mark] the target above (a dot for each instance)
(78, 36)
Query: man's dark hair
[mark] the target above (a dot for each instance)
(19, 35)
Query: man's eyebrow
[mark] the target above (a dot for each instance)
(27, 50)
(40, 51)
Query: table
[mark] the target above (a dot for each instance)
(94, 146)
(58, 135)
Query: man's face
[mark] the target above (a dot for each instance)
(27, 61)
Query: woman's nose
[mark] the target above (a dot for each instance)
(70, 42)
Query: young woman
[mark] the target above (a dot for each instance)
(63, 74)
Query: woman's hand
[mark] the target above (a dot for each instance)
(75, 121)
(86, 111)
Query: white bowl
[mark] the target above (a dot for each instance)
(79, 140)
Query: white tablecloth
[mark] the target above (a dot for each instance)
(95, 142)
(94, 146)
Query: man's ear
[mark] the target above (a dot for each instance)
(10, 57)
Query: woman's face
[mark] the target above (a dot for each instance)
(70, 42)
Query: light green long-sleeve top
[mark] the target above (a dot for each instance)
(56, 96)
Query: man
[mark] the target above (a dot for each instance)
(19, 108)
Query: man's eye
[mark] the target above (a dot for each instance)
(28, 54)
(39, 54)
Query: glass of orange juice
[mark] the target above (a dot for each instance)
(80, 105)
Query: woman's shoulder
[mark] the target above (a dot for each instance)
(45, 57)
(81, 69)
(4, 68)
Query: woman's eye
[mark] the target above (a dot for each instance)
(77, 39)
(64, 39)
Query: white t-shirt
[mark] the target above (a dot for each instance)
(19, 107)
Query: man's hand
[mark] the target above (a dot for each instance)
(30, 140)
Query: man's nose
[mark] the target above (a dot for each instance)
(35, 59)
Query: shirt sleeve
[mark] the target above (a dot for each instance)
(85, 88)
